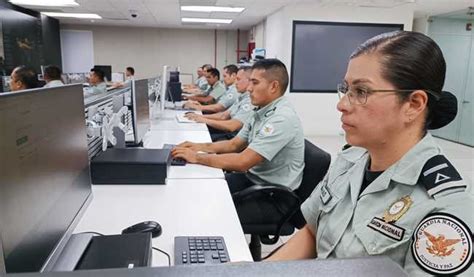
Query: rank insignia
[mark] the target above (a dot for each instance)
(397, 209)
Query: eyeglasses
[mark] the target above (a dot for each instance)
(358, 95)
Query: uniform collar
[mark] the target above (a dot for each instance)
(231, 87)
(270, 108)
(244, 95)
(406, 171)
(216, 84)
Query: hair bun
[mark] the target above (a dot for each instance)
(444, 111)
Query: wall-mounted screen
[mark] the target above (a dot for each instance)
(321, 50)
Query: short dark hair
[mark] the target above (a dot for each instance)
(206, 67)
(214, 72)
(245, 68)
(131, 70)
(409, 60)
(52, 72)
(100, 74)
(27, 76)
(231, 69)
(274, 70)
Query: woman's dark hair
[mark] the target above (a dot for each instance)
(412, 60)
(27, 76)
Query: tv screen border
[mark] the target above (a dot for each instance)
(333, 23)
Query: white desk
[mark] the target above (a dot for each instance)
(167, 121)
(156, 139)
(182, 207)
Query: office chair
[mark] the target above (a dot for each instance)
(269, 211)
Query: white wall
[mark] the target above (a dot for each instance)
(421, 25)
(148, 49)
(318, 111)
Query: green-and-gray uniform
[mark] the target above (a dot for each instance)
(201, 83)
(216, 91)
(96, 89)
(242, 109)
(419, 212)
(229, 98)
(275, 132)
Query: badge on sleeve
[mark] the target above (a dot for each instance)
(246, 107)
(267, 130)
(386, 225)
(230, 96)
(442, 245)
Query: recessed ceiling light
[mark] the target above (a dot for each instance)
(211, 9)
(46, 3)
(74, 15)
(206, 20)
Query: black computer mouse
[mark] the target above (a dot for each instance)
(144, 227)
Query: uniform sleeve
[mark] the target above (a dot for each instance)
(227, 99)
(244, 133)
(442, 242)
(217, 93)
(273, 136)
(243, 113)
(311, 206)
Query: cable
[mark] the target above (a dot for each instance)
(95, 233)
(167, 255)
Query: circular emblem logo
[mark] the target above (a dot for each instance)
(246, 107)
(230, 96)
(442, 245)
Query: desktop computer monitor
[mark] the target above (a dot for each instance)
(140, 110)
(44, 175)
(107, 69)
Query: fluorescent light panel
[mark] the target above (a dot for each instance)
(206, 20)
(46, 3)
(211, 9)
(74, 15)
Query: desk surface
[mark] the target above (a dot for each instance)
(156, 139)
(182, 207)
(167, 121)
(363, 267)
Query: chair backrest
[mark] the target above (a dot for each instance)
(316, 165)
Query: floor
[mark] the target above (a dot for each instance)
(461, 156)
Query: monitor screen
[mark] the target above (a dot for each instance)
(321, 51)
(44, 174)
(107, 69)
(141, 109)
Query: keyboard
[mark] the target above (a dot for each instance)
(174, 161)
(182, 119)
(200, 250)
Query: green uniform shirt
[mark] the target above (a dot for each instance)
(216, 91)
(419, 212)
(242, 109)
(229, 97)
(201, 83)
(275, 132)
(99, 88)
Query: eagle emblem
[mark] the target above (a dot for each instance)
(440, 245)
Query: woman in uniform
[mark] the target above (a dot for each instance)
(393, 192)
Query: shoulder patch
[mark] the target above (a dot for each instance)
(442, 245)
(230, 95)
(246, 107)
(438, 174)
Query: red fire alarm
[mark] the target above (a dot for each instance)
(468, 26)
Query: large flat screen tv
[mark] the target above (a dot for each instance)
(321, 50)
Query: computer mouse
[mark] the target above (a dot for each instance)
(144, 227)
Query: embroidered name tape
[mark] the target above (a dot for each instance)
(387, 229)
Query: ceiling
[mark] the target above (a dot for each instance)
(167, 13)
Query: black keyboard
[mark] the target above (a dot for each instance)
(174, 161)
(200, 250)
